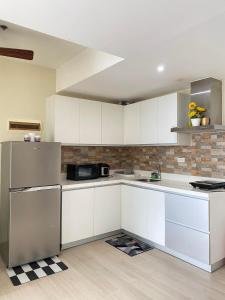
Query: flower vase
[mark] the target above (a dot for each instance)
(196, 122)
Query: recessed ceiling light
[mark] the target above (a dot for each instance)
(160, 68)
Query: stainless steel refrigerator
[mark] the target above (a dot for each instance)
(30, 209)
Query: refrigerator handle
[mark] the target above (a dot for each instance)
(34, 189)
(18, 189)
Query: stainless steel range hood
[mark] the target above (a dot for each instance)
(208, 93)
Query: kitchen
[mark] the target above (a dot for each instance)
(123, 165)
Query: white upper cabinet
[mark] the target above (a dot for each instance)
(79, 121)
(112, 124)
(148, 121)
(62, 119)
(167, 118)
(132, 123)
(90, 122)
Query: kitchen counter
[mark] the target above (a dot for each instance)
(165, 185)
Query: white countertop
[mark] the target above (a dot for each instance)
(165, 185)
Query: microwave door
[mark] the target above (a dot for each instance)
(87, 172)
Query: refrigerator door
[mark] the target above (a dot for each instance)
(34, 223)
(34, 164)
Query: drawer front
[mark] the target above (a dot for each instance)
(187, 241)
(188, 211)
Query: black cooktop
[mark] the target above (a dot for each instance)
(208, 184)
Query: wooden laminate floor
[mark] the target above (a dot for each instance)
(98, 271)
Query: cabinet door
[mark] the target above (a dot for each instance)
(148, 121)
(107, 209)
(143, 213)
(66, 123)
(90, 122)
(156, 216)
(167, 118)
(133, 211)
(112, 124)
(127, 208)
(77, 215)
(132, 123)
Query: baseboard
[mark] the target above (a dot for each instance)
(90, 239)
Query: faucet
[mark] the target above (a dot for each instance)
(157, 174)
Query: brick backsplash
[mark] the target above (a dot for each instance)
(206, 156)
(114, 156)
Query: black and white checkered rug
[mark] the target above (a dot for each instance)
(129, 245)
(35, 270)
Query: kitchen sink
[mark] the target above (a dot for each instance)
(147, 180)
(126, 174)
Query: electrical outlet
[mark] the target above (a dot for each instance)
(181, 159)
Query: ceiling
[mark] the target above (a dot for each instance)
(48, 51)
(186, 36)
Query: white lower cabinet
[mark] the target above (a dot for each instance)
(188, 211)
(133, 211)
(107, 207)
(77, 215)
(189, 242)
(143, 213)
(89, 212)
(187, 226)
(190, 228)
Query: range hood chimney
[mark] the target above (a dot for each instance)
(207, 93)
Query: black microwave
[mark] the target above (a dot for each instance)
(82, 172)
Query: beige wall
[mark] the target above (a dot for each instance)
(23, 90)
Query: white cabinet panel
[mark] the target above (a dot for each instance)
(107, 207)
(62, 119)
(188, 211)
(143, 213)
(148, 121)
(112, 124)
(66, 120)
(156, 216)
(129, 208)
(167, 118)
(77, 215)
(187, 241)
(90, 122)
(132, 123)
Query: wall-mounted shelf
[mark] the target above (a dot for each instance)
(199, 129)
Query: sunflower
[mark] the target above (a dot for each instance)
(200, 109)
(192, 114)
(192, 105)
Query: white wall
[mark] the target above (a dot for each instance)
(86, 64)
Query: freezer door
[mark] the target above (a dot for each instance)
(34, 225)
(35, 164)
